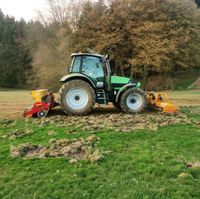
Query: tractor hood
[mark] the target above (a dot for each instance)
(119, 80)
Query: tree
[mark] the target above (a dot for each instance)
(164, 36)
(14, 56)
(144, 38)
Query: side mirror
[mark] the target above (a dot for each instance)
(107, 56)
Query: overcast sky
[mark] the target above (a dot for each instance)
(22, 8)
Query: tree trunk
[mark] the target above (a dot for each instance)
(131, 73)
(145, 78)
(122, 71)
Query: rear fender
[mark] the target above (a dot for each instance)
(77, 76)
(132, 85)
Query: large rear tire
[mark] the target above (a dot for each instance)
(132, 101)
(77, 97)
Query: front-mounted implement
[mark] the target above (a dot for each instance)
(161, 102)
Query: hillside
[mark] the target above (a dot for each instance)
(189, 79)
(195, 85)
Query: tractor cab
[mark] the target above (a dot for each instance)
(97, 68)
(91, 65)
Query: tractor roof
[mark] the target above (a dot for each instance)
(86, 54)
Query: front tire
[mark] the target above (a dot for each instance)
(132, 101)
(77, 97)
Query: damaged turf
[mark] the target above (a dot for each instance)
(77, 149)
(119, 122)
(19, 133)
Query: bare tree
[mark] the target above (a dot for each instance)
(75, 9)
(62, 11)
(58, 10)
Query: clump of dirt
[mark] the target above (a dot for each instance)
(51, 133)
(27, 150)
(19, 133)
(118, 122)
(70, 131)
(194, 165)
(6, 122)
(76, 149)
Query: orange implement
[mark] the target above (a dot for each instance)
(161, 101)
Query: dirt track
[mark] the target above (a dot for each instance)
(13, 103)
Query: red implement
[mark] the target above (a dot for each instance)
(44, 102)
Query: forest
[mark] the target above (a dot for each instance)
(144, 38)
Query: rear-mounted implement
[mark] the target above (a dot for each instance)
(44, 102)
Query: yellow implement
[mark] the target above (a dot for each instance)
(38, 95)
(161, 101)
(43, 103)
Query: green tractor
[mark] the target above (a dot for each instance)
(90, 81)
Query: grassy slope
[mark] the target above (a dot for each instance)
(143, 164)
(185, 78)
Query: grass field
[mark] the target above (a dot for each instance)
(142, 162)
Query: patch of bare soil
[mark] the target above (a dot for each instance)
(19, 133)
(6, 122)
(76, 149)
(194, 165)
(115, 121)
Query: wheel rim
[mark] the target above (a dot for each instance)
(134, 101)
(77, 98)
(42, 114)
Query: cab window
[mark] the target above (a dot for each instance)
(76, 65)
(91, 66)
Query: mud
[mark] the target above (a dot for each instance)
(116, 121)
(76, 149)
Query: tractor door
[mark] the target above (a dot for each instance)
(75, 65)
(92, 67)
